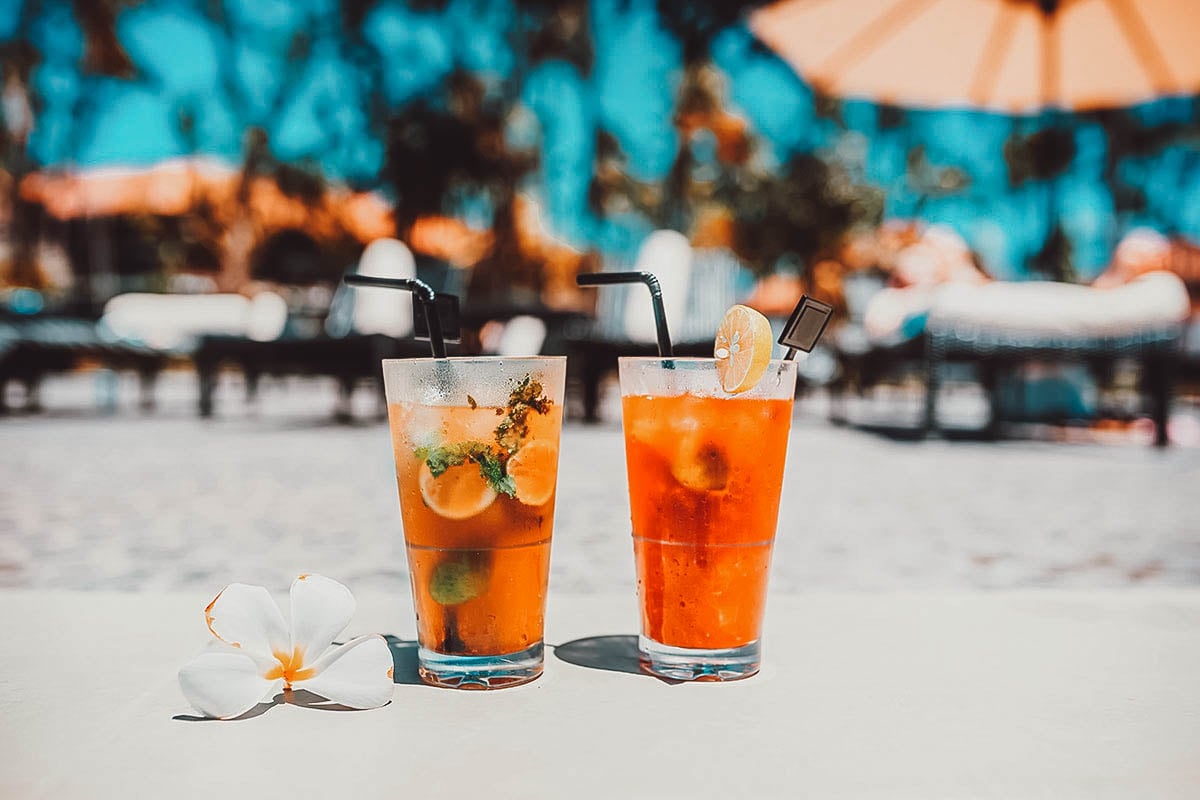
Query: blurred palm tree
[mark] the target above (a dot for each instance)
(1128, 137)
(786, 215)
(447, 150)
(799, 213)
(1047, 154)
(438, 158)
(17, 59)
(697, 24)
(698, 100)
(103, 54)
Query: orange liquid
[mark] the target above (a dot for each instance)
(506, 546)
(705, 475)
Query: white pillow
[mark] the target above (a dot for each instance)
(267, 318)
(1044, 309)
(523, 335)
(668, 255)
(385, 311)
(172, 321)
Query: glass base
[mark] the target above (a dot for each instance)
(689, 664)
(480, 672)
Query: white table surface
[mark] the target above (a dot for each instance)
(1001, 695)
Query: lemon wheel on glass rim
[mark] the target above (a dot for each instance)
(742, 349)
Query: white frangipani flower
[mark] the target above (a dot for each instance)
(260, 653)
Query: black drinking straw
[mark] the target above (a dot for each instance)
(665, 350)
(426, 296)
(805, 326)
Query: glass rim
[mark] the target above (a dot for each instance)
(689, 360)
(471, 359)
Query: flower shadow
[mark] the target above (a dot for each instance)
(615, 653)
(299, 697)
(257, 711)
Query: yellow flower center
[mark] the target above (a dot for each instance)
(291, 668)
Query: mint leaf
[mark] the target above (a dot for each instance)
(455, 582)
(493, 471)
(491, 466)
(443, 457)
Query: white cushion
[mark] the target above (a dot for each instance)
(1151, 302)
(267, 318)
(385, 311)
(172, 321)
(668, 255)
(896, 315)
(522, 336)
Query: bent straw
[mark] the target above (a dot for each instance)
(437, 345)
(665, 350)
(423, 292)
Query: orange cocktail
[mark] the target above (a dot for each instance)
(476, 449)
(705, 474)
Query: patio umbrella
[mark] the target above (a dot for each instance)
(1015, 56)
(178, 187)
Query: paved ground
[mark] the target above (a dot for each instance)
(121, 500)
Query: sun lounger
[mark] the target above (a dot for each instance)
(999, 328)
(33, 347)
(363, 327)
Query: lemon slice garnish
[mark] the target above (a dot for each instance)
(742, 349)
(533, 470)
(460, 492)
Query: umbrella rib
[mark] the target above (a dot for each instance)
(890, 22)
(994, 51)
(1137, 33)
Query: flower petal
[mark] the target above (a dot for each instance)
(321, 609)
(223, 684)
(357, 674)
(246, 617)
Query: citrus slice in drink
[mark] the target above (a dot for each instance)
(458, 493)
(533, 470)
(700, 464)
(743, 349)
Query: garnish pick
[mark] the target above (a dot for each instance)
(805, 326)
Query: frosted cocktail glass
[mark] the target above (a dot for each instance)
(705, 472)
(476, 446)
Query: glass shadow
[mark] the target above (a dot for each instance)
(404, 661)
(616, 653)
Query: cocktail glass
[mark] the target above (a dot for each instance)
(705, 473)
(476, 446)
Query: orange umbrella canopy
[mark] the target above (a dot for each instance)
(177, 187)
(1016, 56)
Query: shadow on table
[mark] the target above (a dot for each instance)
(618, 653)
(300, 697)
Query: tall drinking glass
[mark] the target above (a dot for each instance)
(705, 473)
(476, 445)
